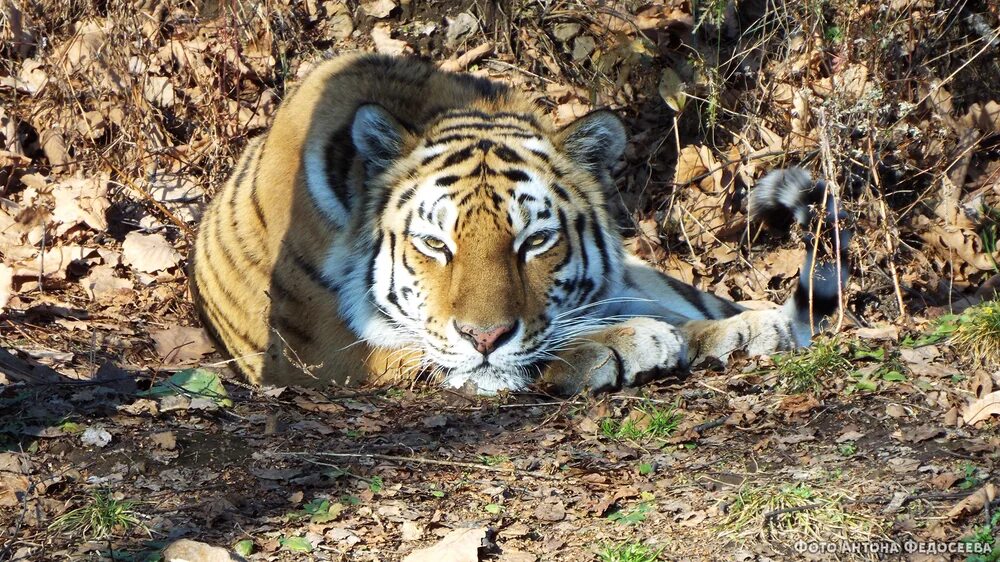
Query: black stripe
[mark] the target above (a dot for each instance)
(456, 158)
(541, 156)
(599, 232)
(254, 196)
(688, 293)
(493, 127)
(406, 263)
(483, 116)
(454, 137)
(308, 268)
(340, 154)
(405, 196)
(223, 320)
(255, 201)
(376, 248)
(217, 319)
(391, 297)
(581, 232)
(560, 192)
(465, 198)
(564, 228)
(286, 326)
(516, 175)
(244, 167)
(821, 306)
(252, 261)
(507, 155)
(445, 181)
(280, 291)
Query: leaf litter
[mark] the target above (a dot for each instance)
(107, 154)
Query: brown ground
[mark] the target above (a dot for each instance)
(117, 121)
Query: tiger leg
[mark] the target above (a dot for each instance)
(619, 355)
(756, 332)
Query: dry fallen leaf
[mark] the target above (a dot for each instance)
(878, 332)
(378, 8)
(550, 511)
(149, 253)
(411, 531)
(12, 488)
(6, 284)
(182, 345)
(159, 91)
(460, 545)
(798, 404)
(975, 502)
(384, 43)
(102, 282)
(81, 200)
(672, 89)
(983, 408)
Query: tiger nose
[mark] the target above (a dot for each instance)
(489, 338)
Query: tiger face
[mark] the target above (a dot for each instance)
(490, 244)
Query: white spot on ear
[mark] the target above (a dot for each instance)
(538, 145)
(319, 186)
(430, 151)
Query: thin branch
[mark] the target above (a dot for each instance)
(424, 460)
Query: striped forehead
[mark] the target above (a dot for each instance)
(470, 162)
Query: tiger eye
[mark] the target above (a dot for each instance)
(536, 240)
(434, 243)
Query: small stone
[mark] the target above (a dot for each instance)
(566, 31)
(96, 437)
(551, 511)
(165, 440)
(186, 550)
(461, 27)
(895, 411)
(583, 46)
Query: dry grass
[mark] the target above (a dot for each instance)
(787, 513)
(977, 334)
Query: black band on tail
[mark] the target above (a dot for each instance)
(786, 196)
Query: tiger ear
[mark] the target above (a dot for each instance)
(595, 141)
(377, 136)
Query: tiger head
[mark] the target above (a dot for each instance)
(484, 238)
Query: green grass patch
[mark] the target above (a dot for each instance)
(646, 422)
(319, 511)
(975, 333)
(632, 516)
(985, 537)
(847, 449)
(102, 517)
(805, 369)
(628, 552)
(978, 333)
(494, 460)
(883, 367)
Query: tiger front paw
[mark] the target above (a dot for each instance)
(754, 332)
(625, 354)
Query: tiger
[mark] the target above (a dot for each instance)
(399, 221)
